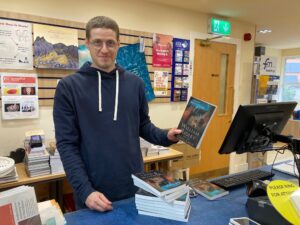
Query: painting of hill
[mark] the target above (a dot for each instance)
(55, 47)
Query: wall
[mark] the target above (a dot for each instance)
(136, 15)
(278, 54)
(291, 52)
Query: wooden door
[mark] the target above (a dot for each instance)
(213, 81)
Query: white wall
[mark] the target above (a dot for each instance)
(136, 15)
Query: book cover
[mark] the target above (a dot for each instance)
(158, 183)
(195, 120)
(209, 190)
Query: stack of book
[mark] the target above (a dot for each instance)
(37, 161)
(56, 163)
(8, 172)
(162, 196)
(19, 206)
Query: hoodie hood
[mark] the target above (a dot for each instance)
(102, 75)
(87, 69)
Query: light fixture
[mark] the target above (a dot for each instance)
(264, 31)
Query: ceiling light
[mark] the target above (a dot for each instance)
(264, 31)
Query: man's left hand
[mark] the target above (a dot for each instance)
(172, 134)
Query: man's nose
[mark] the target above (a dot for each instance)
(104, 47)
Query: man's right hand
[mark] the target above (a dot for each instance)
(97, 201)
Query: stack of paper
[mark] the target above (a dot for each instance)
(8, 172)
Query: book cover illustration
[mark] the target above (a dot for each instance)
(160, 183)
(194, 121)
(209, 190)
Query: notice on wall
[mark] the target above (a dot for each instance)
(162, 50)
(19, 96)
(160, 83)
(15, 45)
(268, 65)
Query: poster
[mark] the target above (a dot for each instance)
(55, 47)
(130, 58)
(162, 50)
(268, 65)
(19, 96)
(267, 88)
(160, 83)
(15, 45)
(84, 55)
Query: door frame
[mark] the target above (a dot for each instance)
(229, 40)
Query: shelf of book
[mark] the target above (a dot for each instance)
(163, 161)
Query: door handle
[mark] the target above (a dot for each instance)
(214, 75)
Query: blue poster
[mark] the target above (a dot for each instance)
(134, 61)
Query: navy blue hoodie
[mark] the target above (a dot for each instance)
(97, 128)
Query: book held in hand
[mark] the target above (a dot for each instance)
(194, 121)
(208, 190)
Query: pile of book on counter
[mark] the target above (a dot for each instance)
(149, 149)
(55, 160)
(37, 161)
(8, 172)
(36, 156)
(19, 206)
(161, 195)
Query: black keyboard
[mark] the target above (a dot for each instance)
(234, 180)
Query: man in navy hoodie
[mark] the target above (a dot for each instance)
(99, 114)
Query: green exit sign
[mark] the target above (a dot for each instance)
(221, 27)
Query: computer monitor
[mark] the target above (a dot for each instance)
(254, 127)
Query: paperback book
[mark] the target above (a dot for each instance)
(208, 190)
(195, 120)
(148, 202)
(159, 184)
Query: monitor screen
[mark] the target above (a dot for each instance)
(254, 126)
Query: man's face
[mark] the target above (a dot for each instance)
(103, 46)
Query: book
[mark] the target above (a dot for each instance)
(208, 190)
(158, 183)
(167, 215)
(146, 201)
(19, 206)
(51, 213)
(195, 120)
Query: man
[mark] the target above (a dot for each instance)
(99, 114)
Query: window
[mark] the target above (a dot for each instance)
(291, 80)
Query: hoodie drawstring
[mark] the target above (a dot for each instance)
(99, 91)
(116, 96)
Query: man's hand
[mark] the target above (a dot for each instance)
(172, 134)
(97, 201)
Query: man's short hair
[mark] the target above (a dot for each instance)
(102, 22)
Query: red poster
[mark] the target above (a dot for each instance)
(162, 50)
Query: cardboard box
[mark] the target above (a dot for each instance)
(191, 156)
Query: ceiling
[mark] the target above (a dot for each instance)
(282, 17)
